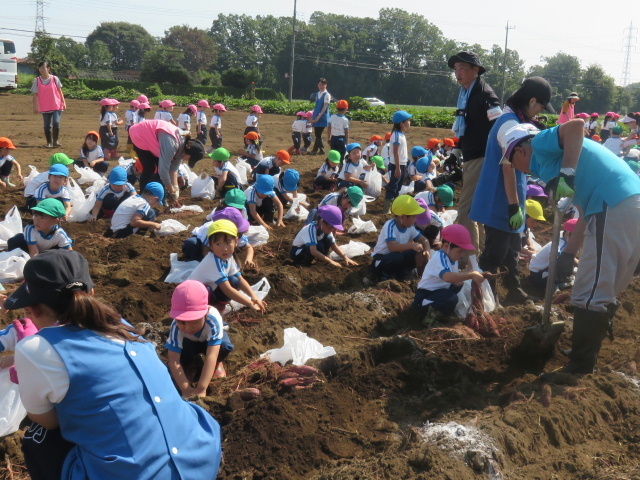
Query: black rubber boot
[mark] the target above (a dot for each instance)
(55, 133)
(47, 135)
(589, 329)
(515, 293)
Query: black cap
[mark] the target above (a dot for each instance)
(538, 88)
(195, 150)
(51, 278)
(467, 56)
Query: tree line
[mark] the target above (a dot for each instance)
(400, 57)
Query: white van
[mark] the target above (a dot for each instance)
(8, 65)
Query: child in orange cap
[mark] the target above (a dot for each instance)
(272, 165)
(375, 142)
(7, 162)
(92, 155)
(433, 146)
(196, 329)
(252, 152)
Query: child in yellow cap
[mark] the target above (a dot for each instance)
(401, 247)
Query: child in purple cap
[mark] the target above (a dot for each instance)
(536, 192)
(429, 224)
(315, 240)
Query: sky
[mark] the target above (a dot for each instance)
(587, 30)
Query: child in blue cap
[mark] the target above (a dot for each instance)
(315, 240)
(398, 157)
(137, 212)
(31, 187)
(112, 195)
(261, 202)
(55, 187)
(353, 168)
(287, 186)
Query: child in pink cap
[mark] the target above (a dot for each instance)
(201, 121)
(316, 239)
(196, 329)
(164, 112)
(441, 281)
(184, 119)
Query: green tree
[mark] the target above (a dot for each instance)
(162, 65)
(493, 61)
(43, 47)
(127, 43)
(99, 57)
(239, 77)
(563, 72)
(236, 37)
(73, 51)
(199, 48)
(597, 90)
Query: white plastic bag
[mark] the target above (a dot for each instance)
(297, 212)
(190, 175)
(261, 288)
(12, 264)
(10, 226)
(75, 190)
(360, 210)
(406, 189)
(374, 183)
(464, 295)
(203, 187)
(87, 174)
(188, 208)
(96, 186)
(124, 163)
(171, 226)
(32, 174)
(448, 217)
(299, 348)
(180, 271)
(244, 170)
(11, 409)
(82, 208)
(360, 227)
(257, 236)
(351, 250)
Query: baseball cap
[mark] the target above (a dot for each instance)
(433, 143)
(93, 133)
(264, 185)
(378, 161)
(220, 107)
(445, 194)
(156, 189)
(387, 136)
(334, 156)
(627, 119)
(538, 88)
(353, 146)
(234, 215)
(134, 103)
(144, 106)
(220, 154)
(406, 205)
(458, 235)
(224, 226)
(513, 137)
(50, 206)
(195, 150)
(535, 191)
(466, 56)
(118, 176)
(6, 143)
(534, 210)
(617, 130)
(61, 158)
(448, 142)
(422, 165)
(284, 156)
(332, 215)
(290, 180)
(192, 108)
(59, 169)
(596, 138)
(235, 198)
(400, 116)
(355, 195)
(252, 136)
(51, 278)
(190, 301)
(375, 138)
(423, 218)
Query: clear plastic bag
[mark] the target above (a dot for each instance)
(11, 409)
(171, 226)
(261, 289)
(32, 174)
(10, 226)
(180, 271)
(374, 183)
(12, 264)
(257, 236)
(203, 187)
(361, 227)
(87, 174)
(351, 250)
(297, 212)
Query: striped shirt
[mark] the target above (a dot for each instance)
(391, 232)
(310, 235)
(213, 271)
(57, 237)
(211, 332)
(438, 265)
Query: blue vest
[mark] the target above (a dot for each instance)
(125, 415)
(324, 120)
(490, 205)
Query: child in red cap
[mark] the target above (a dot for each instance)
(7, 162)
(197, 328)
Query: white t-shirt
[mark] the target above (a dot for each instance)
(216, 120)
(106, 190)
(130, 117)
(252, 196)
(339, 125)
(34, 84)
(35, 182)
(391, 232)
(201, 118)
(398, 138)
(299, 125)
(56, 238)
(427, 197)
(213, 271)
(93, 154)
(326, 171)
(614, 144)
(540, 260)
(311, 235)
(370, 151)
(211, 332)
(6, 158)
(253, 149)
(228, 167)
(8, 339)
(163, 115)
(127, 209)
(44, 191)
(251, 120)
(353, 169)
(438, 265)
(384, 152)
(608, 125)
(184, 121)
(201, 233)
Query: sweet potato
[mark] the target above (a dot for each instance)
(304, 370)
(289, 382)
(249, 393)
(287, 374)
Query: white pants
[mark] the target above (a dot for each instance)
(609, 257)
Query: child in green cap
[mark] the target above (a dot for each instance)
(226, 173)
(347, 202)
(438, 198)
(45, 233)
(328, 172)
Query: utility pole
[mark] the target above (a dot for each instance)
(627, 47)
(504, 62)
(40, 17)
(293, 49)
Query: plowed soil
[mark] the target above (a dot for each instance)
(365, 418)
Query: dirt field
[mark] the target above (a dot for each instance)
(366, 418)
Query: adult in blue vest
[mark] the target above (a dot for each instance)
(87, 372)
(606, 192)
(320, 118)
(498, 202)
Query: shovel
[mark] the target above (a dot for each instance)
(540, 339)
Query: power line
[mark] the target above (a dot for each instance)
(40, 17)
(630, 39)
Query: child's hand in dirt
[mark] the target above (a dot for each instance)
(334, 263)
(268, 227)
(93, 218)
(157, 226)
(350, 262)
(259, 305)
(477, 277)
(280, 224)
(250, 264)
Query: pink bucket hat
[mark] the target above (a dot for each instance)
(166, 103)
(256, 109)
(220, 107)
(425, 217)
(458, 235)
(143, 99)
(193, 109)
(203, 103)
(190, 301)
(134, 103)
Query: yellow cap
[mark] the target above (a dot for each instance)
(406, 205)
(225, 226)
(534, 210)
